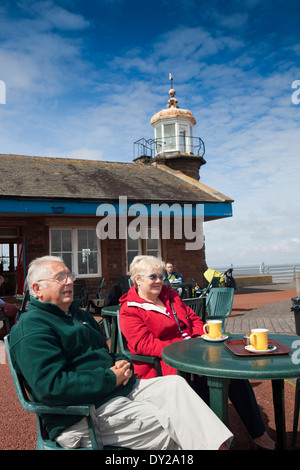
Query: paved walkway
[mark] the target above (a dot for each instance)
(267, 306)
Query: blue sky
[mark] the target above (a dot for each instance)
(83, 79)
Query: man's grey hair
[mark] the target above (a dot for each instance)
(39, 269)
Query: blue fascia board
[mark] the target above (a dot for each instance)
(55, 207)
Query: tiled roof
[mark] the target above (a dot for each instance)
(44, 177)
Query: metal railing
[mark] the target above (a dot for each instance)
(177, 143)
(279, 272)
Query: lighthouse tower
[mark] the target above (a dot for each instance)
(175, 145)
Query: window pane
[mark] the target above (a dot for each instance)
(182, 141)
(92, 240)
(130, 256)
(67, 257)
(132, 244)
(158, 140)
(82, 239)
(82, 263)
(152, 240)
(93, 263)
(55, 240)
(169, 130)
(152, 244)
(153, 253)
(66, 240)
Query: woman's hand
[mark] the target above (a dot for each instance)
(122, 371)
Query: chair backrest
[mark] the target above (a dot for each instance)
(24, 306)
(18, 382)
(101, 282)
(197, 304)
(79, 289)
(43, 441)
(125, 283)
(122, 344)
(219, 304)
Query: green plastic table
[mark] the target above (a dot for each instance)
(219, 364)
(109, 315)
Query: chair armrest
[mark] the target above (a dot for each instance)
(149, 359)
(77, 410)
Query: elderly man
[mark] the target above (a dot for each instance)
(173, 276)
(62, 354)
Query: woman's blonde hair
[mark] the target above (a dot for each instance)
(142, 264)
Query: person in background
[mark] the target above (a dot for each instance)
(10, 311)
(62, 353)
(152, 316)
(173, 276)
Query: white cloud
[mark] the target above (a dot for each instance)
(58, 17)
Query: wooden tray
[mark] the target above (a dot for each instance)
(238, 348)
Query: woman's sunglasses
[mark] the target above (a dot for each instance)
(154, 277)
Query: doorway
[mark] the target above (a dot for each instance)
(11, 262)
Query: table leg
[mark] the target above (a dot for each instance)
(107, 327)
(279, 411)
(114, 335)
(218, 397)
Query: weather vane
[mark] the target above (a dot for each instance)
(171, 78)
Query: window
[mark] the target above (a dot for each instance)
(152, 242)
(182, 139)
(79, 249)
(8, 256)
(169, 136)
(158, 141)
(134, 248)
(148, 244)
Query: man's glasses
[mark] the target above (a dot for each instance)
(154, 277)
(62, 278)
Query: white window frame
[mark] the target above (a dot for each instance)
(74, 251)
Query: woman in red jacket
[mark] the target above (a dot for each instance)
(153, 315)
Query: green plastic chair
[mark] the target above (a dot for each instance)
(122, 345)
(94, 297)
(79, 289)
(125, 283)
(219, 304)
(197, 304)
(4, 319)
(43, 441)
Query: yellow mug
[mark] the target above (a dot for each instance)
(259, 338)
(214, 328)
